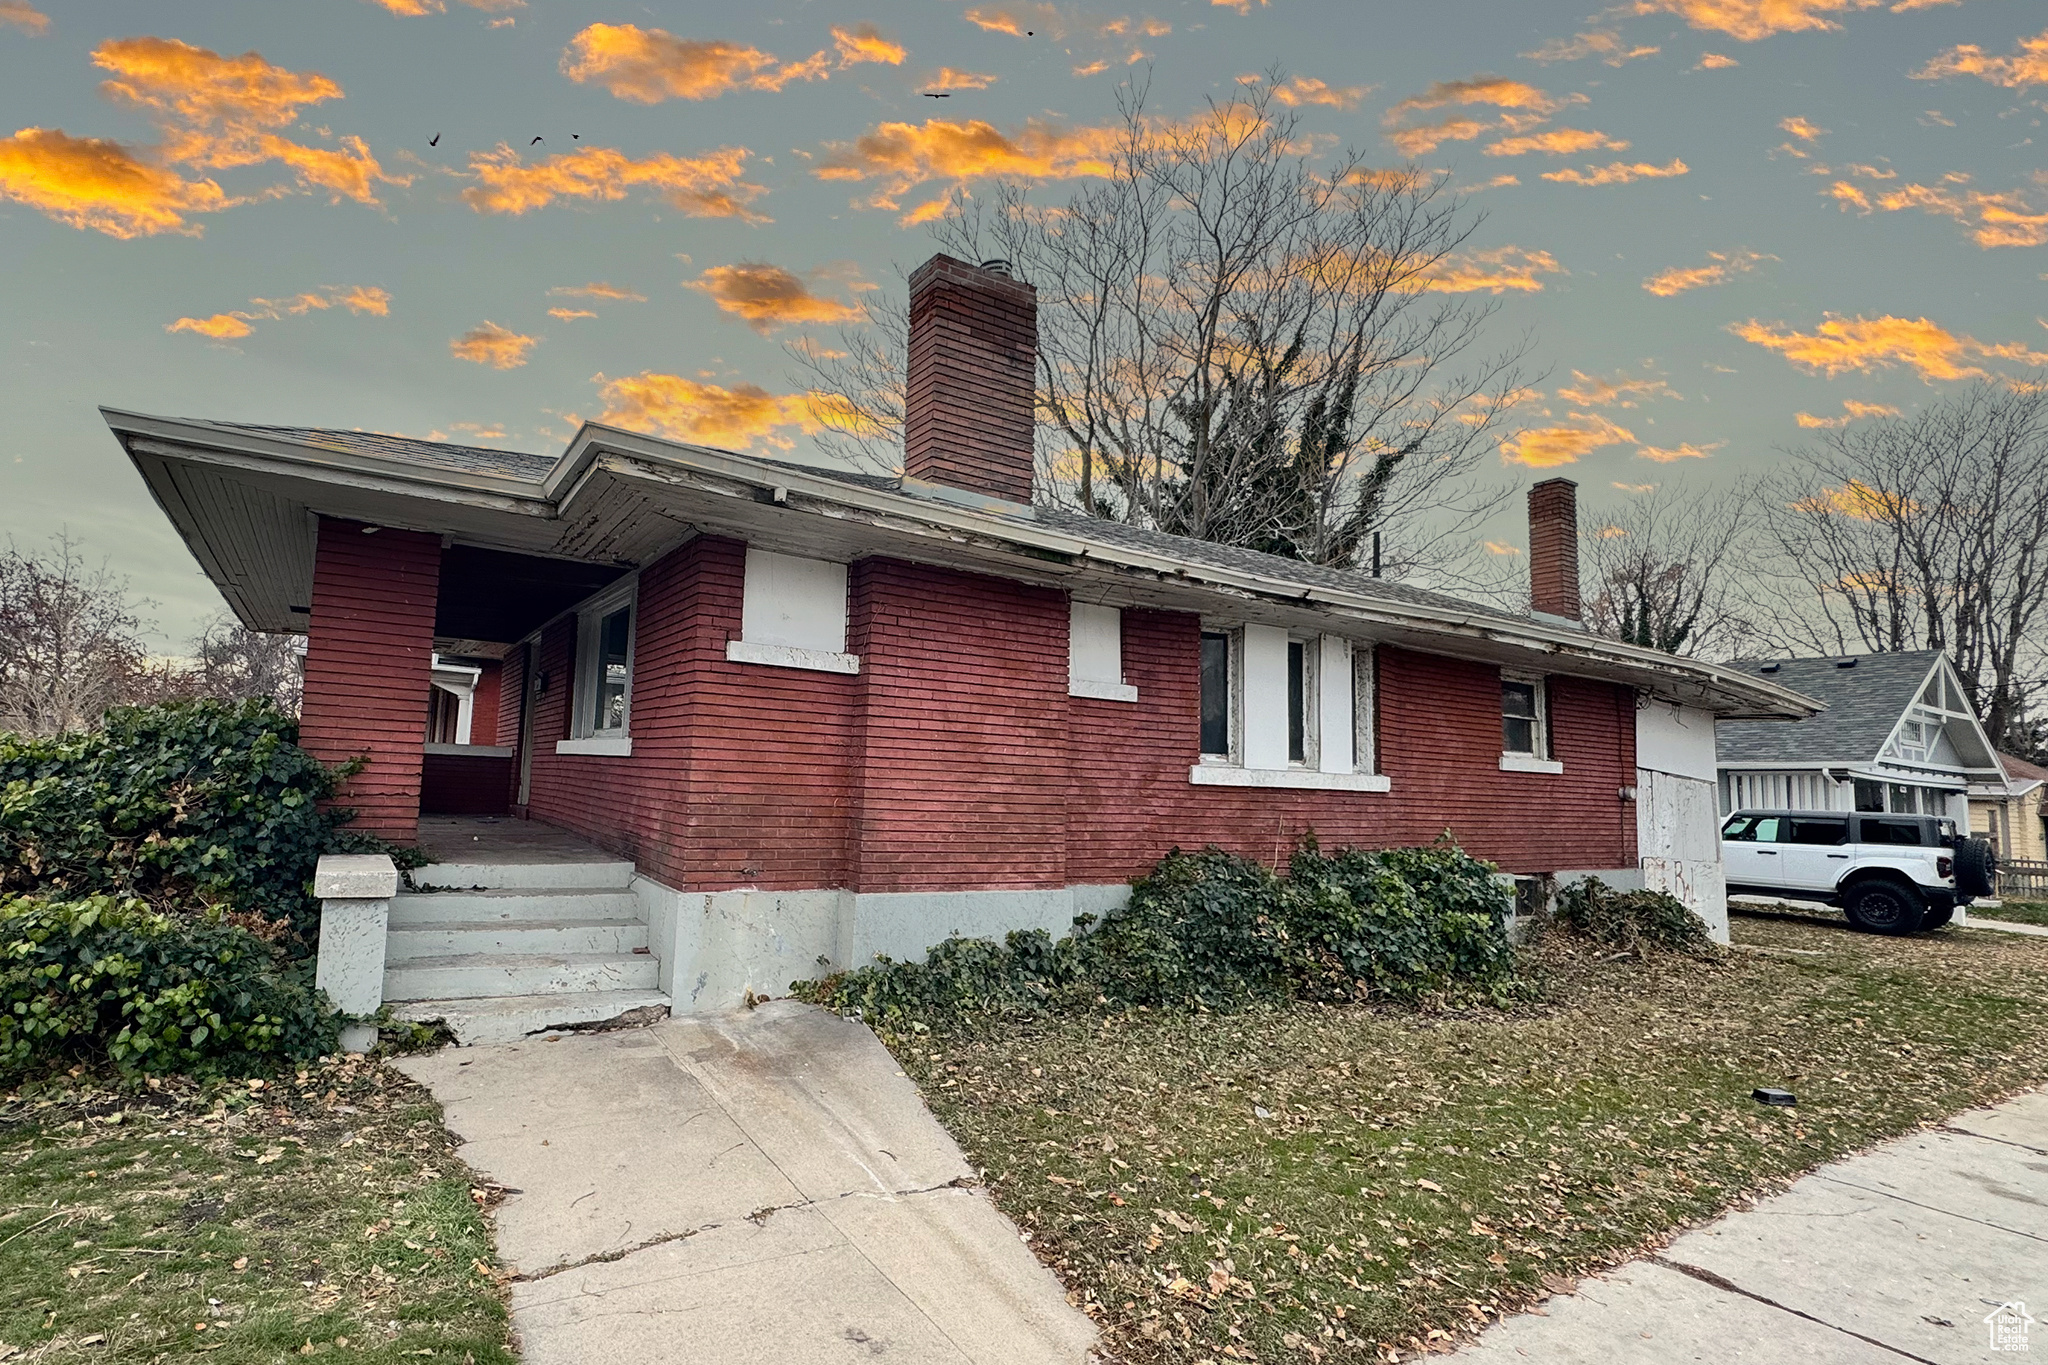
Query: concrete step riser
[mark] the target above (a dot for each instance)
(507, 1020)
(412, 909)
(539, 977)
(402, 945)
(523, 876)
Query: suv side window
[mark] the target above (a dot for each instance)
(1808, 831)
(1892, 832)
(1752, 829)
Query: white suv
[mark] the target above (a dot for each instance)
(1891, 874)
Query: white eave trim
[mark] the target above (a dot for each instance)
(789, 656)
(1304, 779)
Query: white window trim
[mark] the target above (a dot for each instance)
(1311, 702)
(589, 615)
(1224, 775)
(789, 656)
(1539, 761)
(607, 746)
(1365, 707)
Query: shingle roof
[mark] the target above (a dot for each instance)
(2019, 770)
(1864, 703)
(511, 464)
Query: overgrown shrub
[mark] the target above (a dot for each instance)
(1212, 930)
(1631, 920)
(195, 807)
(105, 979)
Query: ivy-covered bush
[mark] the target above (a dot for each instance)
(1212, 930)
(1631, 920)
(196, 807)
(102, 979)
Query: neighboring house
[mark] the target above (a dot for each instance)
(1898, 735)
(829, 714)
(2011, 810)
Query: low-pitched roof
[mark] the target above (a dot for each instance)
(1865, 695)
(243, 496)
(2020, 772)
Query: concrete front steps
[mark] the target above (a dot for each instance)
(501, 951)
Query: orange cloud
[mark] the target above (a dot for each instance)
(902, 156)
(1426, 138)
(492, 345)
(1606, 44)
(1750, 20)
(1804, 129)
(1840, 345)
(357, 298)
(24, 16)
(1684, 450)
(1503, 268)
(1714, 61)
(1855, 499)
(570, 314)
(1616, 173)
(690, 410)
(599, 290)
(1241, 6)
(1995, 220)
(2027, 65)
(1621, 391)
(766, 296)
(1557, 142)
(1726, 265)
(1549, 447)
(221, 326)
(1495, 547)
(411, 9)
(1498, 91)
(649, 65)
(1300, 90)
(704, 186)
(865, 43)
(1852, 411)
(91, 183)
(946, 78)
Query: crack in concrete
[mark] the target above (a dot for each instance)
(1931, 1208)
(757, 1217)
(1728, 1286)
(2010, 1142)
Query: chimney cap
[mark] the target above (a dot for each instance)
(996, 265)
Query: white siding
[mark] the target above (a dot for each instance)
(1333, 704)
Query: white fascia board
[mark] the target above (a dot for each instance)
(1306, 779)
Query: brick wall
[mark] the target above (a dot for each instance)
(369, 658)
(956, 760)
(1554, 547)
(967, 415)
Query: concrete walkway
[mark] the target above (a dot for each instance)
(1898, 1254)
(762, 1186)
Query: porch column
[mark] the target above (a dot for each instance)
(369, 659)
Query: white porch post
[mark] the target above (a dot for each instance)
(355, 891)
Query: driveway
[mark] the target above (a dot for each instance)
(1905, 1253)
(765, 1185)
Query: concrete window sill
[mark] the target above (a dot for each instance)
(788, 656)
(1303, 779)
(606, 746)
(1529, 763)
(1101, 691)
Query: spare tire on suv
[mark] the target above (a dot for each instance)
(1976, 867)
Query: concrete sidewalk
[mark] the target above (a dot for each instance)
(1899, 1254)
(765, 1185)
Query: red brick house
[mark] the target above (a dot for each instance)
(826, 714)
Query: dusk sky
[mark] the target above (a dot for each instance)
(1720, 222)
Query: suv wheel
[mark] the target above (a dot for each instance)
(1879, 907)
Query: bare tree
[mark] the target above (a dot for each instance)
(1928, 531)
(1236, 343)
(70, 640)
(1669, 570)
(232, 661)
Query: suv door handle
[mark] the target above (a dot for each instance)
(1768, 852)
(1838, 855)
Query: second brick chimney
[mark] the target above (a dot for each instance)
(1554, 548)
(967, 400)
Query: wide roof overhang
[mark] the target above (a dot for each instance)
(247, 505)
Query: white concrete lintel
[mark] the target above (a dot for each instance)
(1529, 763)
(788, 656)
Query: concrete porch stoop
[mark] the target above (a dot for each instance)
(502, 947)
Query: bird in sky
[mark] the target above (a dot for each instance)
(531, 143)
(937, 94)
(435, 141)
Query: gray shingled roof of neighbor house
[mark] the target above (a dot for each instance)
(1864, 704)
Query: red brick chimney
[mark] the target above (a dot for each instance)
(1554, 548)
(967, 403)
